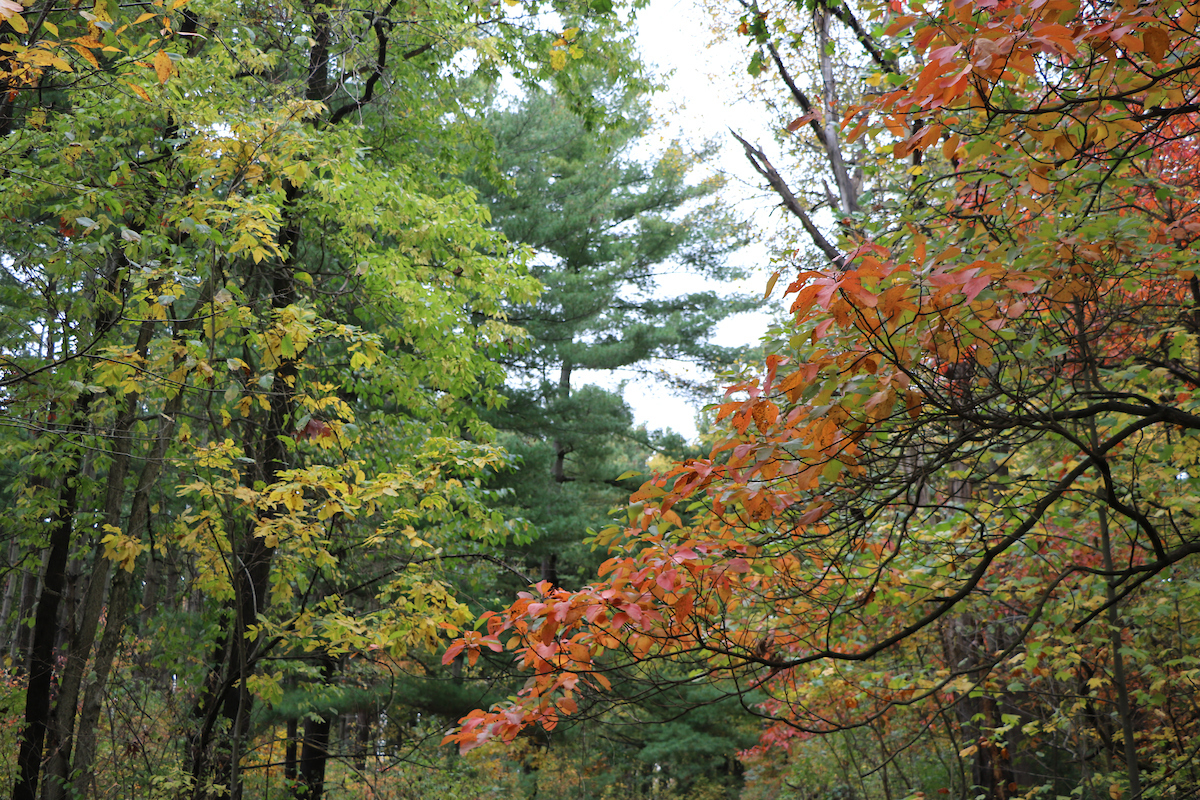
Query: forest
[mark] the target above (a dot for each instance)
(314, 487)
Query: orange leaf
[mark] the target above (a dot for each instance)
(452, 652)
(799, 122)
(974, 286)
(950, 146)
(1157, 43)
(899, 24)
(771, 282)
(913, 401)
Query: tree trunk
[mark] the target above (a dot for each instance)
(118, 604)
(558, 469)
(314, 755)
(45, 628)
(84, 624)
(289, 756)
(24, 638)
(362, 737)
(225, 692)
(151, 583)
(10, 591)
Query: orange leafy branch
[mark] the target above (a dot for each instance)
(971, 453)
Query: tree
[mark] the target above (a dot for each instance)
(955, 509)
(233, 430)
(612, 233)
(619, 241)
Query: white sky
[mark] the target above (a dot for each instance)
(702, 103)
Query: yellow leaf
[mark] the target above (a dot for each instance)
(19, 24)
(121, 548)
(87, 55)
(1114, 791)
(163, 67)
(1039, 183)
(50, 26)
(140, 92)
(771, 284)
(558, 59)
(570, 33)
(144, 17)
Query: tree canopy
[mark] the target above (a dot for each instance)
(252, 311)
(954, 507)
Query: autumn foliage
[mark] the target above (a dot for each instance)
(250, 308)
(957, 502)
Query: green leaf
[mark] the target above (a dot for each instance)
(756, 64)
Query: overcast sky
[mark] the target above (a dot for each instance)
(702, 103)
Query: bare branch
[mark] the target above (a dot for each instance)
(762, 165)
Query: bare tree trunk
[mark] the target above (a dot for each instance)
(118, 605)
(24, 638)
(84, 623)
(558, 470)
(225, 694)
(289, 756)
(847, 191)
(314, 755)
(151, 586)
(362, 737)
(10, 590)
(1124, 711)
(45, 629)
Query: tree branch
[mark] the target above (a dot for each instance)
(381, 26)
(845, 15)
(759, 161)
(797, 94)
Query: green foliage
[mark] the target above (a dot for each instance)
(250, 314)
(612, 233)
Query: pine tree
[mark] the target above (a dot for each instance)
(618, 238)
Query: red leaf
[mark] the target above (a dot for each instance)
(799, 122)
(452, 652)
